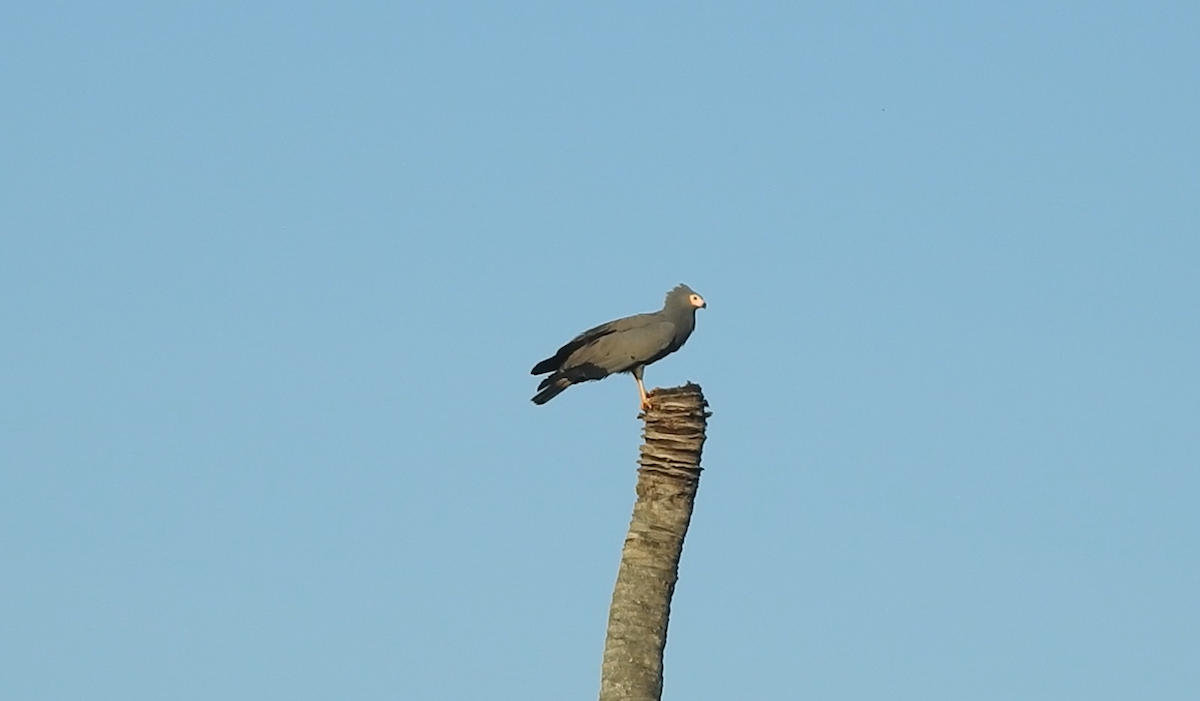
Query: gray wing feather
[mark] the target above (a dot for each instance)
(585, 340)
(626, 324)
(619, 350)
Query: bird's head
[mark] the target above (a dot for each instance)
(685, 296)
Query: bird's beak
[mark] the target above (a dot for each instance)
(700, 303)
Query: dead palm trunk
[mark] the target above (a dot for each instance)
(668, 476)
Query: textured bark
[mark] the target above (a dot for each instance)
(668, 476)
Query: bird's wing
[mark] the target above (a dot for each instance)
(625, 349)
(590, 336)
(627, 324)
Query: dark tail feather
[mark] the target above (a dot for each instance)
(551, 387)
(547, 365)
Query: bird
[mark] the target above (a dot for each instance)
(625, 345)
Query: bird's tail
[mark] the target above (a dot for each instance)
(551, 387)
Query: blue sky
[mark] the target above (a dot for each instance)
(272, 277)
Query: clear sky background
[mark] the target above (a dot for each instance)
(272, 277)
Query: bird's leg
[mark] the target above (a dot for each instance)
(637, 376)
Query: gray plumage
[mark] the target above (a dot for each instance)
(624, 345)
